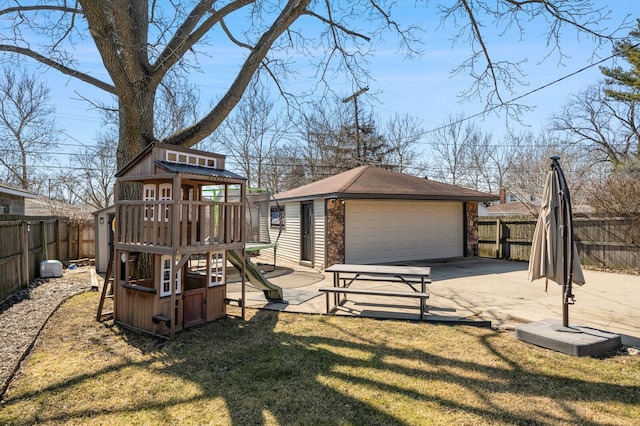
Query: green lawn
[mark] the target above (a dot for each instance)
(296, 369)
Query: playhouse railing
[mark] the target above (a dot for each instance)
(150, 223)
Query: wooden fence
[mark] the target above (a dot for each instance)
(602, 242)
(25, 241)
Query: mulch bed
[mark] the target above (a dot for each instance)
(24, 314)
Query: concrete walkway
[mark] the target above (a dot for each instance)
(470, 288)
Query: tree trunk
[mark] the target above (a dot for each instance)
(136, 132)
(136, 124)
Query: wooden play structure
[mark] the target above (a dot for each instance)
(178, 212)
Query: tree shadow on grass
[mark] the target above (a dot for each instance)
(281, 368)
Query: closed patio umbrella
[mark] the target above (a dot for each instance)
(553, 252)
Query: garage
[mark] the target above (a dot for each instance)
(371, 215)
(378, 231)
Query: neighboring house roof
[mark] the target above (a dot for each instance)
(513, 208)
(43, 206)
(369, 182)
(8, 189)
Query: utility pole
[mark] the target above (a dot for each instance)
(359, 155)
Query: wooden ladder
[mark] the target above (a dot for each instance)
(108, 283)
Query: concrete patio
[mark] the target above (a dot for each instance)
(468, 289)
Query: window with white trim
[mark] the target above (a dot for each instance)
(165, 278)
(149, 194)
(165, 195)
(217, 263)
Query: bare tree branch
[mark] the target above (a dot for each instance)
(44, 7)
(188, 34)
(63, 69)
(194, 134)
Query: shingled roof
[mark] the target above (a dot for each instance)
(369, 182)
(514, 208)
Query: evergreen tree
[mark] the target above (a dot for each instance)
(624, 85)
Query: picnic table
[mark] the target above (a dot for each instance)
(345, 274)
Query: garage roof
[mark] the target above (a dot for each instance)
(369, 182)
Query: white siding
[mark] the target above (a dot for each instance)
(289, 242)
(318, 233)
(388, 231)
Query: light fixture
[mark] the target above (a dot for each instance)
(102, 221)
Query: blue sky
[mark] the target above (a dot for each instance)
(422, 88)
(425, 88)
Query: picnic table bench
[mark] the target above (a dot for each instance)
(346, 274)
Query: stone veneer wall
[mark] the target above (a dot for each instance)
(334, 241)
(471, 215)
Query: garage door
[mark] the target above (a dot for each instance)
(389, 231)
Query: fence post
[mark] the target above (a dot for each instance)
(498, 239)
(58, 240)
(43, 235)
(79, 239)
(24, 237)
(67, 255)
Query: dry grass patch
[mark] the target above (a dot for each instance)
(278, 368)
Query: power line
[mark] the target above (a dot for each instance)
(544, 86)
(485, 111)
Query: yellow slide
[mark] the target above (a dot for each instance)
(272, 292)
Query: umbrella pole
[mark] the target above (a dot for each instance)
(567, 234)
(565, 305)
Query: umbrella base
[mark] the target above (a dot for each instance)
(574, 340)
(566, 329)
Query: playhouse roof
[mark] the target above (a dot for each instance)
(369, 182)
(161, 157)
(196, 170)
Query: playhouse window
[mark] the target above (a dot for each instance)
(165, 281)
(216, 269)
(149, 194)
(165, 195)
(197, 264)
(191, 159)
